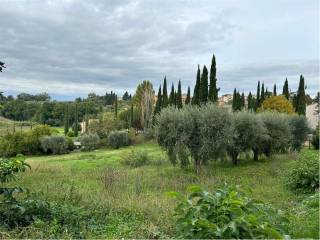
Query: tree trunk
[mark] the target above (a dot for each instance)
(255, 154)
(235, 159)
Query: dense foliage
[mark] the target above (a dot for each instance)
(299, 131)
(55, 144)
(136, 159)
(89, 142)
(117, 139)
(315, 138)
(303, 175)
(226, 214)
(277, 104)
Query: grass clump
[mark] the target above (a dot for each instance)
(136, 159)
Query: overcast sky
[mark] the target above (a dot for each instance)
(69, 48)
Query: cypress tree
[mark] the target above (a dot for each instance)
(131, 115)
(242, 101)
(285, 90)
(66, 120)
(274, 90)
(76, 121)
(116, 107)
(250, 101)
(179, 96)
(196, 91)
(188, 96)
(213, 91)
(301, 98)
(204, 85)
(157, 108)
(257, 105)
(165, 100)
(234, 100)
(172, 97)
(262, 94)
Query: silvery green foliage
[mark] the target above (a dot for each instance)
(89, 142)
(279, 132)
(118, 139)
(54, 144)
(249, 133)
(299, 130)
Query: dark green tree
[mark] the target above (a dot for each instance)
(301, 98)
(196, 91)
(179, 96)
(234, 100)
(213, 90)
(131, 116)
(66, 120)
(263, 97)
(274, 90)
(285, 90)
(250, 102)
(116, 107)
(188, 98)
(165, 100)
(204, 85)
(172, 97)
(242, 99)
(258, 101)
(157, 108)
(76, 121)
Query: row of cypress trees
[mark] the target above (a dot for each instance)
(298, 99)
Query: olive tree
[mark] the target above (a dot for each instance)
(299, 130)
(249, 134)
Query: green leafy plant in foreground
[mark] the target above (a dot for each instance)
(226, 213)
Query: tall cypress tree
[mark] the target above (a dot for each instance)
(204, 85)
(66, 119)
(76, 121)
(301, 98)
(274, 90)
(242, 101)
(179, 96)
(262, 98)
(250, 101)
(165, 100)
(257, 105)
(196, 91)
(157, 108)
(116, 107)
(234, 100)
(285, 91)
(213, 91)
(188, 96)
(172, 97)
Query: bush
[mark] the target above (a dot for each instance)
(279, 132)
(315, 138)
(118, 139)
(136, 159)
(89, 142)
(70, 134)
(55, 144)
(277, 104)
(226, 214)
(303, 175)
(299, 130)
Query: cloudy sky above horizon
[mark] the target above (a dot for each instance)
(70, 48)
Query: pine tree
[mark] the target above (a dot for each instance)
(262, 94)
(204, 85)
(285, 90)
(213, 91)
(196, 92)
(76, 121)
(188, 97)
(157, 108)
(172, 97)
(274, 90)
(250, 101)
(301, 98)
(257, 105)
(116, 107)
(179, 96)
(66, 120)
(165, 100)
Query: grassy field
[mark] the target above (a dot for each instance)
(137, 198)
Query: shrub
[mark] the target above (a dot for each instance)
(226, 214)
(303, 175)
(70, 134)
(279, 132)
(55, 144)
(299, 130)
(277, 104)
(89, 142)
(136, 159)
(135, 138)
(315, 138)
(118, 139)
(32, 139)
(249, 131)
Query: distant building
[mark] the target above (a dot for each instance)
(225, 99)
(312, 115)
